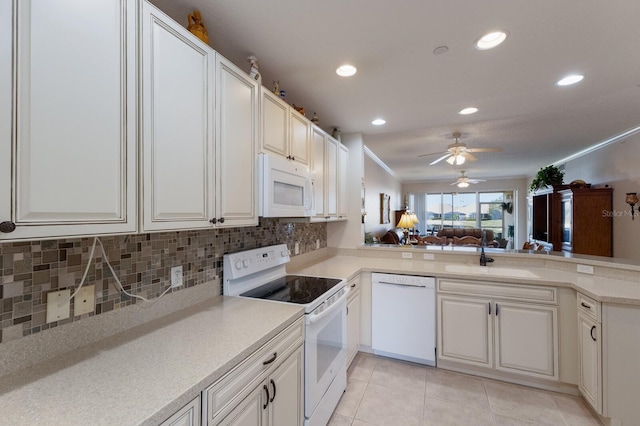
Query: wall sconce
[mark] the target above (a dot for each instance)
(632, 200)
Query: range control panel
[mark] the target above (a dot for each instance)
(241, 264)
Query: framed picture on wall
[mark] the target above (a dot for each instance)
(384, 208)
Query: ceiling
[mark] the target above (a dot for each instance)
(399, 78)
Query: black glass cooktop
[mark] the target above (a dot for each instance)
(293, 289)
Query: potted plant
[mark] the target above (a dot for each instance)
(550, 175)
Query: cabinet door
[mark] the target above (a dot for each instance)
(285, 392)
(527, 339)
(236, 138)
(252, 411)
(177, 125)
(275, 124)
(73, 145)
(318, 160)
(189, 415)
(590, 377)
(353, 326)
(465, 331)
(331, 181)
(299, 135)
(343, 164)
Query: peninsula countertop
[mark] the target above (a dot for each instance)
(603, 289)
(143, 375)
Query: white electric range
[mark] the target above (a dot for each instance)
(261, 273)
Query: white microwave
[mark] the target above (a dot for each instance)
(286, 188)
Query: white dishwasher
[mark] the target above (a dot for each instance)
(403, 317)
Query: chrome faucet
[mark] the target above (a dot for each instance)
(483, 258)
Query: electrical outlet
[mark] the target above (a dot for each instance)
(585, 269)
(318, 243)
(84, 300)
(296, 249)
(428, 256)
(176, 276)
(407, 255)
(55, 312)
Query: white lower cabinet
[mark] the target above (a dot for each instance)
(353, 319)
(508, 334)
(590, 350)
(189, 415)
(265, 389)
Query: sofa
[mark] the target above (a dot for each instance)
(393, 236)
(450, 233)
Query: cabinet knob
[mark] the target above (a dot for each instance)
(214, 220)
(274, 390)
(7, 227)
(266, 389)
(591, 333)
(221, 220)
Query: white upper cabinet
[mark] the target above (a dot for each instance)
(318, 143)
(284, 131)
(343, 165)
(331, 181)
(178, 157)
(68, 155)
(236, 140)
(299, 134)
(275, 124)
(199, 132)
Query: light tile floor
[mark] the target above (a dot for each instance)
(381, 391)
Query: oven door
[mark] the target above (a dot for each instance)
(325, 350)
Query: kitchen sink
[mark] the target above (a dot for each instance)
(490, 270)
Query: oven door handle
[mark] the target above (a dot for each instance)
(312, 319)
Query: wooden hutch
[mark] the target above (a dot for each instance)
(573, 220)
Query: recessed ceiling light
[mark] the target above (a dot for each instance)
(570, 79)
(346, 70)
(490, 40)
(378, 122)
(469, 110)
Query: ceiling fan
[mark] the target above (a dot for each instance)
(463, 180)
(457, 153)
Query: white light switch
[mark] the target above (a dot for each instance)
(176, 276)
(407, 255)
(297, 247)
(585, 269)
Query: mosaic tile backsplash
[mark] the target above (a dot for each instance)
(142, 262)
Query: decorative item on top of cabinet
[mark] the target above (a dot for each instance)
(336, 133)
(254, 72)
(315, 119)
(300, 109)
(196, 26)
(276, 87)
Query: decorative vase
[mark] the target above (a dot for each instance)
(196, 26)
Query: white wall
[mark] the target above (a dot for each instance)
(350, 233)
(616, 165)
(519, 186)
(378, 180)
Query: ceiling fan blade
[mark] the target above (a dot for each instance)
(432, 153)
(484, 150)
(476, 180)
(469, 156)
(455, 183)
(440, 159)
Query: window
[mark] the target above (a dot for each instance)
(462, 210)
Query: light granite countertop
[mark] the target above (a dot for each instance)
(600, 288)
(143, 375)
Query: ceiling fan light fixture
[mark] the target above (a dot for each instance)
(490, 40)
(467, 111)
(463, 184)
(456, 159)
(570, 79)
(346, 70)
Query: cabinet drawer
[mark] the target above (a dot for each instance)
(240, 381)
(589, 307)
(523, 293)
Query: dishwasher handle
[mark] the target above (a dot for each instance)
(401, 285)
